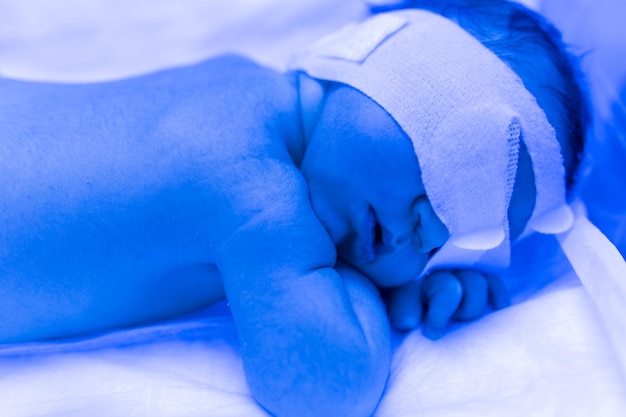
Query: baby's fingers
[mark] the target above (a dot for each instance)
(475, 294)
(499, 296)
(405, 306)
(443, 293)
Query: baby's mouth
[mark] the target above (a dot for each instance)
(372, 236)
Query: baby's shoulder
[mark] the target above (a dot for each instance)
(232, 106)
(240, 81)
(238, 117)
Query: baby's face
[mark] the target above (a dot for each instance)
(366, 188)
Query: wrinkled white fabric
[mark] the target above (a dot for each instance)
(547, 356)
(602, 271)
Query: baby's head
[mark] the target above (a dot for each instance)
(365, 180)
(532, 47)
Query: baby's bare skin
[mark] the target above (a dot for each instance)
(109, 217)
(137, 200)
(143, 199)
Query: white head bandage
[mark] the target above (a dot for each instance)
(465, 112)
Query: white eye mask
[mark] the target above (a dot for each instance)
(465, 112)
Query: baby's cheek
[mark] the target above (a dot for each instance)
(330, 211)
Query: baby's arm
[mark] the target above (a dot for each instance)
(315, 339)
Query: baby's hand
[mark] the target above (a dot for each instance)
(442, 296)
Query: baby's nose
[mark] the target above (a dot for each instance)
(427, 242)
(426, 239)
(400, 239)
(430, 232)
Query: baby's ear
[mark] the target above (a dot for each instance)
(311, 96)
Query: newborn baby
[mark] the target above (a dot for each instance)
(294, 195)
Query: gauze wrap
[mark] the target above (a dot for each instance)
(465, 112)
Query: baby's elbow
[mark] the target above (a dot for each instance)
(339, 382)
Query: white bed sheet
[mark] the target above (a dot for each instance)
(546, 356)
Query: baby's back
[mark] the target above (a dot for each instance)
(113, 192)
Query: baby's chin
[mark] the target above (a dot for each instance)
(392, 269)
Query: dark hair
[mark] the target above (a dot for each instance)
(534, 49)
